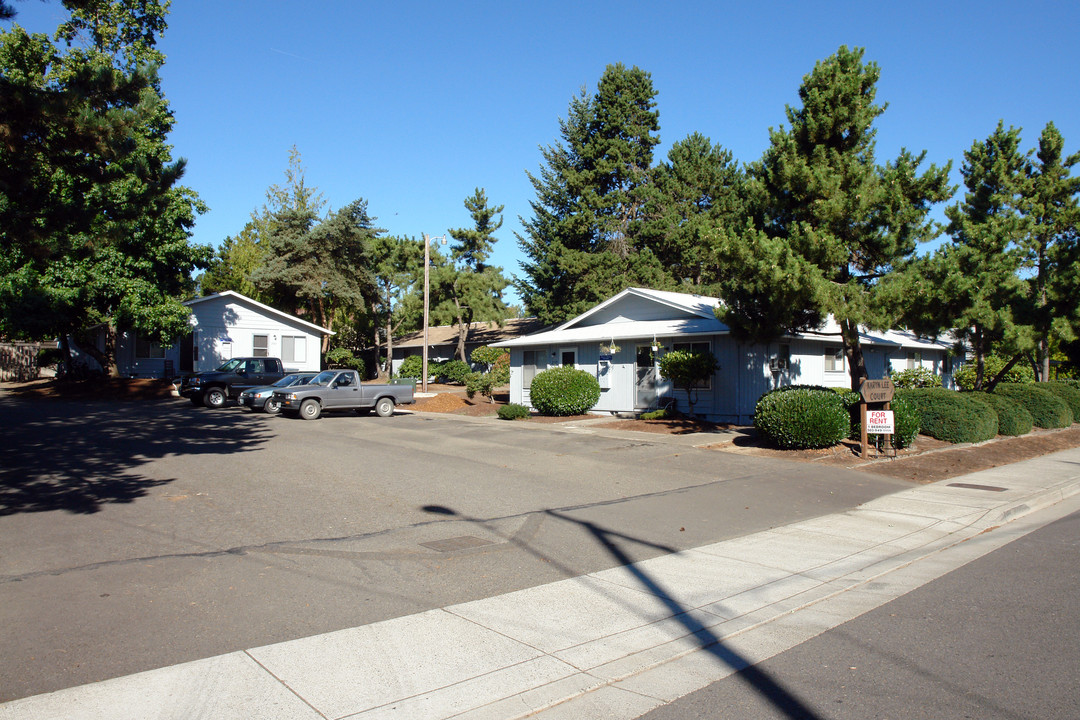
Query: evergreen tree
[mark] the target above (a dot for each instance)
(583, 242)
(831, 222)
(95, 228)
(466, 289)
(1051, 248)
(971, 284)
(699, 189)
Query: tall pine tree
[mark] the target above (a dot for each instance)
(831, 221)
(583, 242)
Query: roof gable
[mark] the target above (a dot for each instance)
(644, 305)
(266, 309)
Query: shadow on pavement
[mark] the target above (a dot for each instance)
(763, 682)
(78, 456)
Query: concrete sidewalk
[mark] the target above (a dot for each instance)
(615, 643)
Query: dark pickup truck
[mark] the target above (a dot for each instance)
(333, 390)
(214, 388)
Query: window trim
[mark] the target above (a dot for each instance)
(150, 346)
(562, 356)
(296, 340)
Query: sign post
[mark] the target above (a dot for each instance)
(878, 392)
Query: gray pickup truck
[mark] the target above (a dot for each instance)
(333, 390)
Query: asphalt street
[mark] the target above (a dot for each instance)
(139, 535)
(994, 640)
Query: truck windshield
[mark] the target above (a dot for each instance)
(324, 378)
(231, 365)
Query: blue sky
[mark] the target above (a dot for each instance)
(412, 105)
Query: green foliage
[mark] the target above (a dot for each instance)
(1047, 409)
(563, 390)
(487, 355)
(951, 416)
(686, 369)
(965, 376)
(233, 265)
(412, 367)
(798, 417)
(453, 371)
(513, 411)
(661, 414)
(583, 243)
(1069, 392)
(827, 222)
(920, 377)
(1013, 418)
(343, 358)
(94, 227)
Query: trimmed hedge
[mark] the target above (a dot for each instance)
(798, 417)
(1013, 419)
(915, 378)
(513, 411)
(1066, 391)
(1047, 409)
(951, 416)
(563, 390)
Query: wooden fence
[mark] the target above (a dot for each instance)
(18, 361)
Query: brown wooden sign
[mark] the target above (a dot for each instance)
(877, 391)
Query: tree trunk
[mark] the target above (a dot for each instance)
(1043, 374)
(1008, 366)
(849, 333)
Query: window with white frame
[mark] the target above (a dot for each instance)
(834, 359)
(914, 359)
(293, 348)
(568, 357)
(696, 348)
(260, 346)
(148, 349)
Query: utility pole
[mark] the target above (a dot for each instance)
(427, 262)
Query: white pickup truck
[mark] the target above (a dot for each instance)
(333, 390)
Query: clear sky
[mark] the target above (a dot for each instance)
(412, 105)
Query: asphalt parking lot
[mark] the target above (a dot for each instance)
(138, 535)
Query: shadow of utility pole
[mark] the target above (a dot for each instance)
(764, 683)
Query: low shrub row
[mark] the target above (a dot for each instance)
(1013, 419)
(1048, 409)
(951, 416)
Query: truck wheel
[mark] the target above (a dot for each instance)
(215, 398)
(310, 410)
(272, 406)
(384, 407)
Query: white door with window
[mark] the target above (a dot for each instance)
(645, 390)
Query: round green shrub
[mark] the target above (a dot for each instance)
(905, 417)
(964, 377)
(412, 367)
(951, 416)
(1047, 409)
(513, 411)
(915, 378)
(454, 371)
(1013, 419)
(563, 390)
(798, 417)
(1067, 392)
